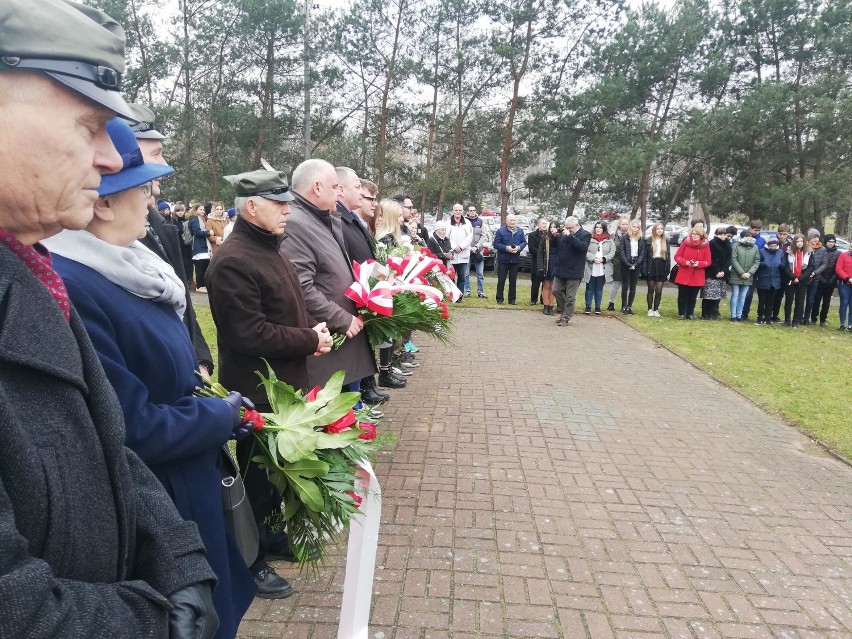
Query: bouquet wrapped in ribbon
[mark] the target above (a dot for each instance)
(410, 292)
(311, 447)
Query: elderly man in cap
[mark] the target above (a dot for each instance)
(90, 543)
(161, 237)
(257, 304)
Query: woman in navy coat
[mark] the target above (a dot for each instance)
(131, 303)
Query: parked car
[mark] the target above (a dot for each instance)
(671, 229)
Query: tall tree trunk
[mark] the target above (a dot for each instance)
(186, 116)
(518, 76)
(383, 113)
(143, 52)
(430, 142)
(266, 100)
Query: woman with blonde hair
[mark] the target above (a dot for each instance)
(388, 214)
(656, 267)
(216, 222)
(201, 249)
(632, 255)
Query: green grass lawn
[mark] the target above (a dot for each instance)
(803, 375)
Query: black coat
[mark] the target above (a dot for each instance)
(257, 304)
(720, 256)
(440, 246)
(571, 258)
(534, 240)
(90, 543)
(628, 260)
(359, 243)
(163, 239)
(807, 269)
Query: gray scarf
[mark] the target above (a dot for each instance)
(136, 268)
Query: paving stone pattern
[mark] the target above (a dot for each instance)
(581, 482)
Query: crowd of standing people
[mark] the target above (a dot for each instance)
(794, 276)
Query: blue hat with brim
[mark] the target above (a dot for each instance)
(134, 171)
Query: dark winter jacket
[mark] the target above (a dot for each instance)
(548, 246)
(90, 543)
(626, 256)
(149, 360)
(163, 239)
(769, 272)
(807, 268)
(720, 258)
(503, 239)
(616, 261)
(359, 241)
(439, 246)
(571, 258)
(824, 266)
(645, 267)
(534, 243)
(199, 236)
(257, 304)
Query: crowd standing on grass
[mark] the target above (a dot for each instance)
(794, 273)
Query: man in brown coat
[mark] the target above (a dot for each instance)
(316, 246)
(257, 304)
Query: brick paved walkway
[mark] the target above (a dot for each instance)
(581, 482)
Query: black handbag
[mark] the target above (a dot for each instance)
(673, 273)
(237, 507)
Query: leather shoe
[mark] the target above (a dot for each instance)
(270, 585)
(369, 396)
(389, 380)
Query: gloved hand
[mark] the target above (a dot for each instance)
(241, 426)
(193, 615)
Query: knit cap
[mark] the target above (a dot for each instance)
(812, 234)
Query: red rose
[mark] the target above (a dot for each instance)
(369, 430)
(445, 310)
(358, 499)
(254, 417)
(313, 394)
(341, 424)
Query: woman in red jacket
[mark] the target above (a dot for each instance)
(844, 288)
(692, 257)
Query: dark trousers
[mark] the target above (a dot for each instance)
(187, 265)
(710, 309)
(502, 271)
(766, 303)
(747, 304)
(813, 287)
(200, 270)
(795, 300)
(535, 280)
(687, 296)
(264, 497)
(780, 296)
(629, 278)
(822, 301)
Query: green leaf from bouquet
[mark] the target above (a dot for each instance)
(300, 476)
(340, 440)
(297, 443)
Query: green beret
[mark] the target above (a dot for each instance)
(271, 185)
(78, 46)
(144, 128)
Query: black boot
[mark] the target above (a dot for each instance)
(611, 306)
(389, 380)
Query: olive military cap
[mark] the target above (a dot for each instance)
(271, 185)
(145, 129)
(78, 46)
